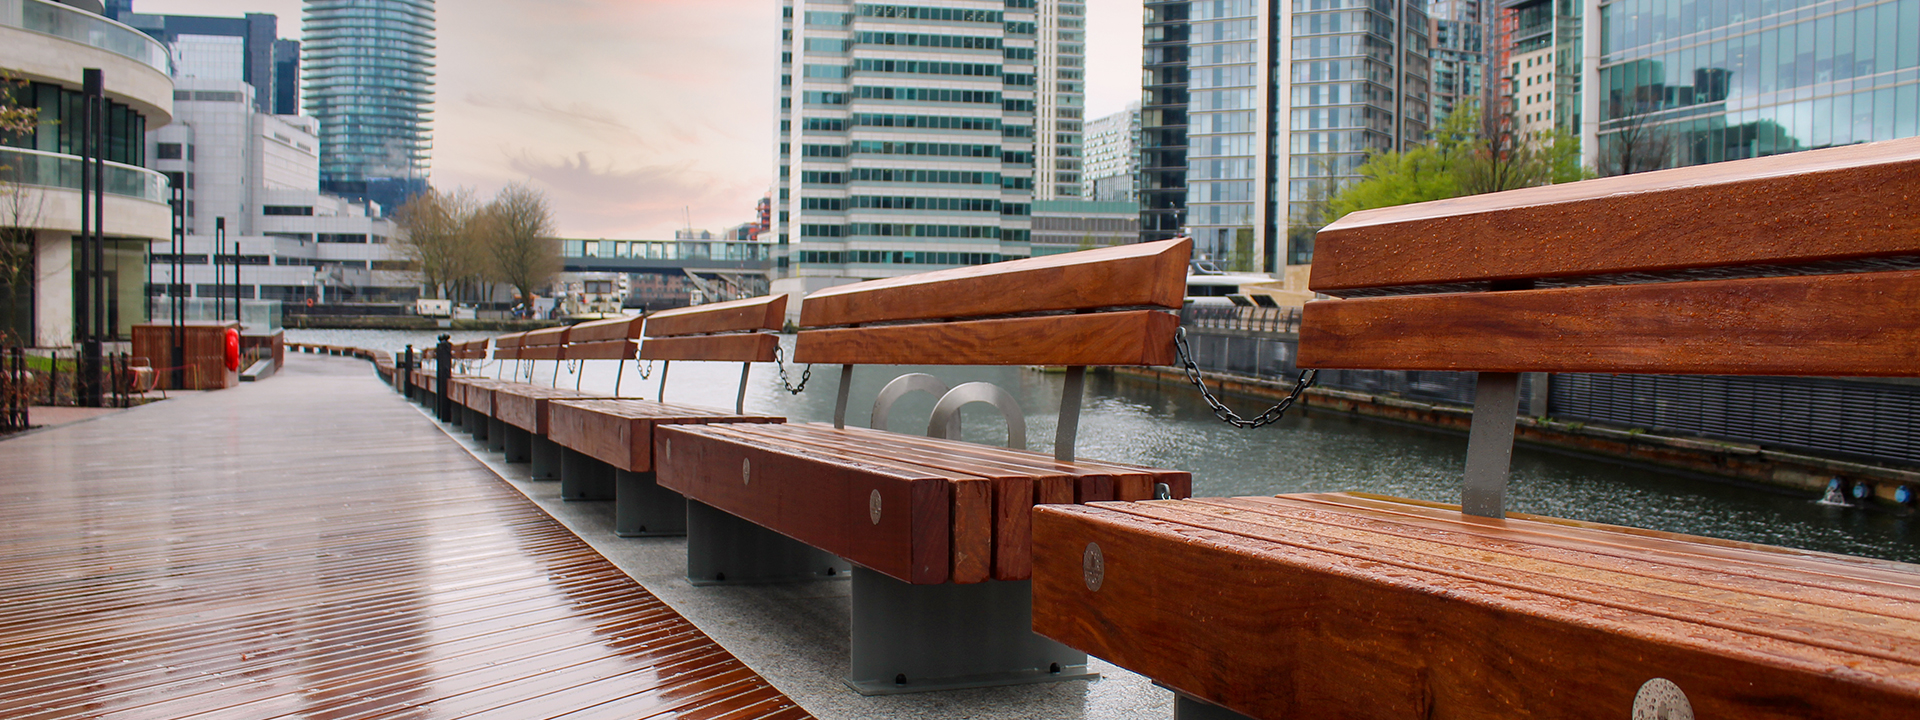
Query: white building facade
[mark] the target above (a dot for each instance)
(914, 137)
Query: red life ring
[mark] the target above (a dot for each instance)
(309, 302)
(233, 350)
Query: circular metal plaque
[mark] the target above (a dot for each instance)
(1660, 699)
(873, 507)
(1095, 566)
(746, 471)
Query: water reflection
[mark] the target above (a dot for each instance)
(1131, 420)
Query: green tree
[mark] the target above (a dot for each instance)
(1459, 159)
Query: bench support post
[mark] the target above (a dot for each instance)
(517, 444)
(840, 404)
(914, 638)
(1496, 408)
(496, 434)
(661, 395)
(726, 550)
(545, 457)
(740, 400)
(474, 422)
(641, 508)
(1069, 428)
(582, 477)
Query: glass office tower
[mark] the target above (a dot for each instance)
(914, 137)
(1686, 82)
(369, 80)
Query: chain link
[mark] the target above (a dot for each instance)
(1272, 415)
(805, 375)
(646, 370)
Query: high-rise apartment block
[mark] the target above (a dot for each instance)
(256, 35)
(1283, 99)
(1459, 51)
(918, 136)
(1112, 157)
(369, 74)
(1542, 59)
(1685, 83)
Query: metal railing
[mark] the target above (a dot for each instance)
(16, 390)
(87, 29)
(54, 170)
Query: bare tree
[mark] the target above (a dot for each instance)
(519, 236)
(438, 238)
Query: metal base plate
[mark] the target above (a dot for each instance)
(1186, 707)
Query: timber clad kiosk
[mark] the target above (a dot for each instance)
(1361, 606)
(938, 530)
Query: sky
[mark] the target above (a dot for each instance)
(636, 117)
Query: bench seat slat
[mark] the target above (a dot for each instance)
(619, 349)
(1794, 208)
(1124, 276)
(760, 313)
(824, 504)
(620, 432)
(1826, 325)
(1290, 607)
(743, 347)
(1140, 337)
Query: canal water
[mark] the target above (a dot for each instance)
(1137, 421)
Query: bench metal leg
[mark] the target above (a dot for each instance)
(914, 638)
(1186, 707)
(477, 425)
(641, 508)
(496, 435)
(546, 458)
(584, 478)
(726, 550)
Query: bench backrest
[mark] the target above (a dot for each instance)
(470, 350)
(1095, 307)
(610, 339)
(507, 347)
(544, 344)
(733, 331)
(1798, 264)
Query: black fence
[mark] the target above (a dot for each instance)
(16, 390)
(1861, 419)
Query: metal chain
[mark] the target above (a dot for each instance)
(645, 370)
(805, 375)
(1272, 415)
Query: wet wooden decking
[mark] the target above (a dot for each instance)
(312, 547)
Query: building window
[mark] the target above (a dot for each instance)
(287, 210)
(167, 151)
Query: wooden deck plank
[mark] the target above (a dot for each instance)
(312, 546)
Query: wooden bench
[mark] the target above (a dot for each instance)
(607, 445)
(1371, 607)
(935, 529)
(524, 408)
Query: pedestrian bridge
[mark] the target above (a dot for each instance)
(667, 256)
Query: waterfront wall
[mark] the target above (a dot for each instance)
(1796, 432)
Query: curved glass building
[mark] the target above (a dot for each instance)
(369, 80)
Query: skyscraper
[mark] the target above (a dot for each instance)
(909, 135)
(257, 34)
(1112, 157)
(369, 74)
(1283, 99)
(1687, 83)
(1459, 54)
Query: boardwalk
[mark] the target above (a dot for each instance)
(309, 547)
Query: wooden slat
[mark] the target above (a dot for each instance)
(1146, 274)
(541, 352)
(767, 312)
(347, 561)
(603, 350)
(620, 432)
(1832, 204)
(790, 491)
(1857, 324)
(739, 347)
(1333, 606)
(527, 406)
(1139, 337)
(545, 337)
(608, 329)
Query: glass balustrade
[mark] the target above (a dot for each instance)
(45, 169)
(86, 28)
